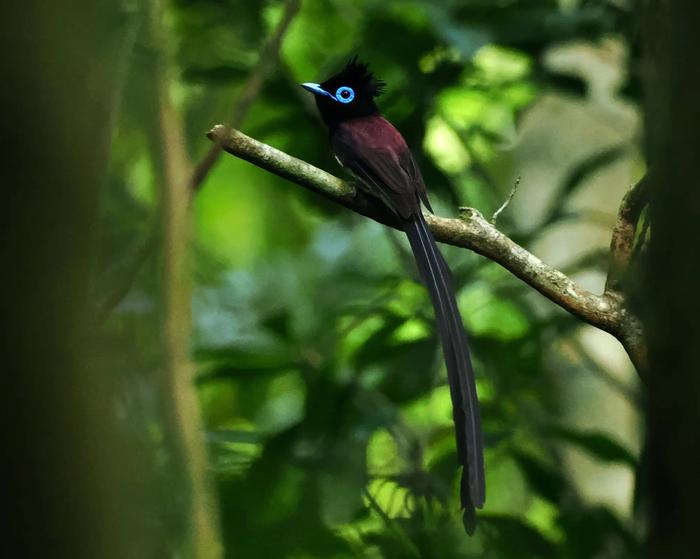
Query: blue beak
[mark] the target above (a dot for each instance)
(316, 89)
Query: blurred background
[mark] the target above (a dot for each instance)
(270, 382)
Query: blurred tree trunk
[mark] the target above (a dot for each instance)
(203, 539)
(672, 83)
(66, 466)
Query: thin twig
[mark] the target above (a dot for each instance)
(399, 533)
(588, 362)
(508, 200)
(269, 56)
(139, 258)
(471, 231)
(251, 89)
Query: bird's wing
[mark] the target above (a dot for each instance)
(389, 173)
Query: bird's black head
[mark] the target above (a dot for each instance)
(348, 94)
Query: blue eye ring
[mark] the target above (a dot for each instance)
(344, 94)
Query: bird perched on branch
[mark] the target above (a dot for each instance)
(369, 146)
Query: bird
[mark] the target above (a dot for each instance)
(375, 153)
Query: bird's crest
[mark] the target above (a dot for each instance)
(358, 75)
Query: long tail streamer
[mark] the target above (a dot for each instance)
(465, 406)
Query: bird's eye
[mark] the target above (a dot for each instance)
(344, 94)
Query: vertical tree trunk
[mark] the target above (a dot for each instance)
(672, 82)
(203, 540)
(64, 465)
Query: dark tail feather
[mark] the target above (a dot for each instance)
(465, 406)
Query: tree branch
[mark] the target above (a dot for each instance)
(622, 242)
(471, 231)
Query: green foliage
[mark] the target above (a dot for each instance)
(327, 418)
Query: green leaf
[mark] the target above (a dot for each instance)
(489, 315)
(545, 480)
(237, 363)
(597, 532)
(597, 444)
